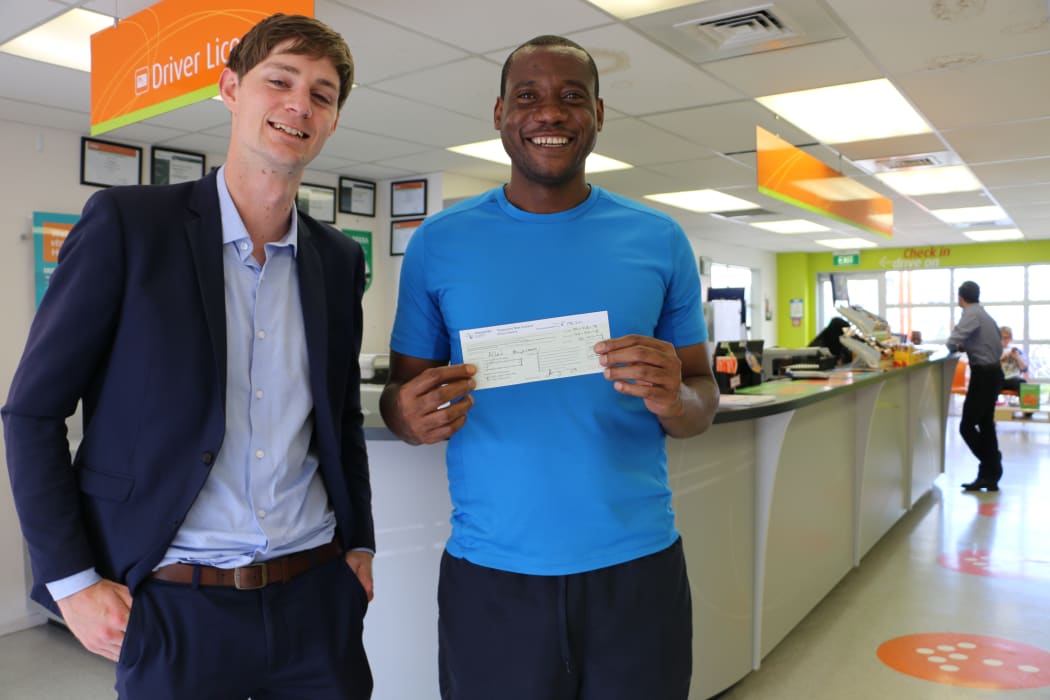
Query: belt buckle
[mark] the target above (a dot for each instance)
(265, 578)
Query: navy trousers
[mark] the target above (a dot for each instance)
(977, 423)
(618, 633)
(297, 640)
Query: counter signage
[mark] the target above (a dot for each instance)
(169, 55)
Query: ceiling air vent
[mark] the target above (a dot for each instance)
(916, 160)
(740, 28)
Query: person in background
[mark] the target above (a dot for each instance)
(831, 338)
(564, 576)
(915, 337)
(978, 336)
(213, 534)
(1015, 364)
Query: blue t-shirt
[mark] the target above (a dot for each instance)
(567, 475)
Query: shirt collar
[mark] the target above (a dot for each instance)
(233, 229)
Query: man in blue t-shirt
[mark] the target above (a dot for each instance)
(564, 576)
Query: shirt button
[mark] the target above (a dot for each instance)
(261, 513)
(258, 393)
(244, 246)
(260, 454)
(261, 334)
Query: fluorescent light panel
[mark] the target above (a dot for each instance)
(792, 226)
(845, 243)
(703, 201)
(64, 41)
(493, 150)
(969, 215)
(920, 181)
(872, 109)
(628, 9)
(997, 234)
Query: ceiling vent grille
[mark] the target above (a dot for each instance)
(755, 25)
(936, 159)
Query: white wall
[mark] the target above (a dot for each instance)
(43, 174)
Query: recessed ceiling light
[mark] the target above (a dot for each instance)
(969, 215)
(996, 234)
(845, 243)
(920, 181)
(628, 9)
(493, 150)
(872, 109)
(792, 226)
(64, 41)
(703, 201)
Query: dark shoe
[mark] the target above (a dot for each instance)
(979, 484)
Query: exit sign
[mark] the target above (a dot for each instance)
(846, 259)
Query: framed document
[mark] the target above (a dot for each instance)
(170, 167)
(318, 201)
(400, 233)
(357, 196)
(105, 163)
(408, 198)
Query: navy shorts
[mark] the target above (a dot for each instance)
(619, 633)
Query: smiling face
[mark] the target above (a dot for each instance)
(549, 119)
(284, 109)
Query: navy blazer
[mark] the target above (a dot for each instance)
(133, 325)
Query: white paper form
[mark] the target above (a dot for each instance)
(535, 351)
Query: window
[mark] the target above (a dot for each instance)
(927, 301)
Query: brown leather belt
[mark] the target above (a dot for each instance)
(252, 576)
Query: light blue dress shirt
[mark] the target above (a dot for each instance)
(264, 496)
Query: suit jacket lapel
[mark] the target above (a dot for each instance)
(204, 233)
(315, 312)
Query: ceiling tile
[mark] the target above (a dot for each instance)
(727, 128)
(480, 26)
(383, 49)
(468, 87)
(913, 35)
(797, 68)
(997, 142)
(1009, 90)
(380, 113)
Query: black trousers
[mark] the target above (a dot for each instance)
(619, 633)
(299, 640)
(977, 425)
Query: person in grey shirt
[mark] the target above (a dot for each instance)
(977, 334)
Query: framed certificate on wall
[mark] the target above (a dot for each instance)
(170, 167)
(400, 233)
(318, 201)
(408, 198)
(105, 163)
(357, 196)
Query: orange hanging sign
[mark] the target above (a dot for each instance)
(791, 175)
(170, 55)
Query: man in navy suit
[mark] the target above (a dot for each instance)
(213, 534)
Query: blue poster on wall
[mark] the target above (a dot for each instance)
(49, 232)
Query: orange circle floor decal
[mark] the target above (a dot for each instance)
(968, 660)
(981, 562)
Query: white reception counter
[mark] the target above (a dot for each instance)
(775, 504)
